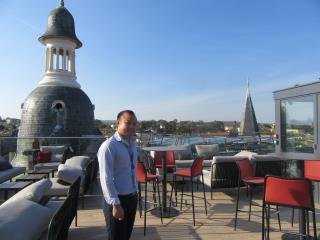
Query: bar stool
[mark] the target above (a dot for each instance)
(311, 171)
(169, 155)
(287, 192)
(144, 177)
(194, 172)
(246, 177)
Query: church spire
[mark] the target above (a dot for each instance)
(249, 125)
(61, 3)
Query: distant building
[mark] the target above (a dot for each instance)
(13, 121)
(249, 125)
(57, 107)
(231, 126)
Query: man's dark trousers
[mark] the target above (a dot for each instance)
(121, 230)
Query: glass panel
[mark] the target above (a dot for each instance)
(297, 124)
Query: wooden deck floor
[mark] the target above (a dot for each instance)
(218, 224)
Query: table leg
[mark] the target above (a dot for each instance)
(6, 195)
(164, 183)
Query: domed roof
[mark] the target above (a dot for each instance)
(60, 25)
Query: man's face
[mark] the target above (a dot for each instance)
(127, 125)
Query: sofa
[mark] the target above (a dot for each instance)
(50, 157)
(52, 221)
(224, 172)
(7, 171)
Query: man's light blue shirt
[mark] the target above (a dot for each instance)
(117, 163)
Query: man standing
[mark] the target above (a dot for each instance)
(117, 158)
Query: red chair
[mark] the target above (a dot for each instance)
(144, 177)
(193, 172)
(246, 177)
(171, 163)
(312, 172)
(294, 192)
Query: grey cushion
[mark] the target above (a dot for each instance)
(207, 151)
(23, 219)
(264, 158)
(69, 174)
(223, 159)
(56, 157)
(184, 154)
(59, 189)
(4, 164)
(10, 173)
(54, 205)
(49, 165)
(33, 192)
(79, 162)
(188, 163)
(206, 177)
(53, 149)
(246, 154)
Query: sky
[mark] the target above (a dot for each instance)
(168, 59)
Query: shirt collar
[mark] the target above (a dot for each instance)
(120, 139)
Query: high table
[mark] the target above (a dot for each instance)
(164, 168)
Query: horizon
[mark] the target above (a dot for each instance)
(168, 60)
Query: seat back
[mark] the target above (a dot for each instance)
(245, 168)
(74, 192)
(59, 224)
(312, 169)
(291, 192)
(88, 176)
(158, 158)
(141, 172)
(170, 158)
(197, 167)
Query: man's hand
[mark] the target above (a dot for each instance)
(117, 212)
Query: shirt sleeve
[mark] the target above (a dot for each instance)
(106, 158)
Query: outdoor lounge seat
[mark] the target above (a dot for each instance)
(60, 187)
(7, 171)
(59, 154)
(8, 174)
(25, 217)
(65, 212)
(223, 173)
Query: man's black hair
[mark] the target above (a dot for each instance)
(120, 114)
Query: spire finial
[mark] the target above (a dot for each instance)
(248, 86)
(61, 3)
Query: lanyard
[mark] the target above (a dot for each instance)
(131, 155)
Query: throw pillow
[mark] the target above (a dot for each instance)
(184, 154)
(246, 154)
(44, 157)
(23, 219)
(207, 151)
(79, 162)
(69, 174)
(33, 192)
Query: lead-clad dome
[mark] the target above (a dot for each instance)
(60, 25)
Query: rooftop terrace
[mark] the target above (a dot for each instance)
(217, 225)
